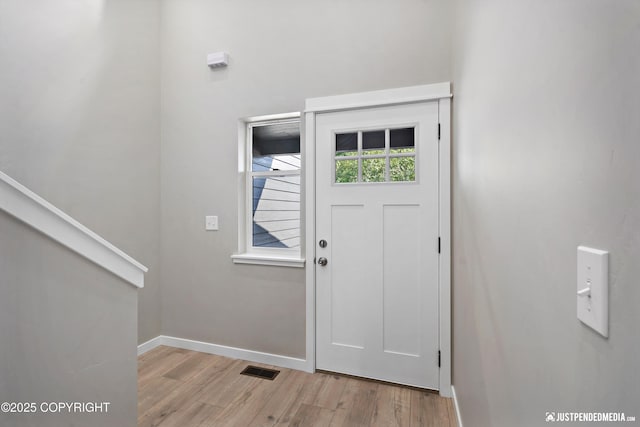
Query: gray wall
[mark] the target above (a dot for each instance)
(68, 332)
(79, 119)
(546, 155)
(281, 52)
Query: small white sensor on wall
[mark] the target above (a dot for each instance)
(218, 59)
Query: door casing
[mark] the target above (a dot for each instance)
(440, 92)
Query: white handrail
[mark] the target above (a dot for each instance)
(25, 205)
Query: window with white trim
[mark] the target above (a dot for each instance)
(271, 227)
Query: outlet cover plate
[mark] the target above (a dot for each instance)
(211, 223)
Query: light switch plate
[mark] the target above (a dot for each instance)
(593, 289)
(211, 223)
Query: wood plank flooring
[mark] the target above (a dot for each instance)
(181, 388)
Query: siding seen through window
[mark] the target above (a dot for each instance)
(275, 184)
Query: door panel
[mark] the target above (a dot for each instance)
(401, 280)
(347, 326)
(377, 207)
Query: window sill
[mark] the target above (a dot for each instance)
(279, 261)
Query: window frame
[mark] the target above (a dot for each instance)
(247, 253)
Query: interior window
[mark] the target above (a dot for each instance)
(274, 184)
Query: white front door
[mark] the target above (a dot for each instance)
(377, 230)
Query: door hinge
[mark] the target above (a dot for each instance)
(438, 131)
(439, 241)
(438, 358)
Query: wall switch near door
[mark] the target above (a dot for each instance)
(211, 223)
(593, 289)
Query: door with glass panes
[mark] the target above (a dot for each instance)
(377, 253)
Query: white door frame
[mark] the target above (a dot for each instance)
(441, 93)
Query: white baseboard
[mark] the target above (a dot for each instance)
(455, 402)
(223, 350)
(149, 345)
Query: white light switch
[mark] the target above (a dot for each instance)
(211, 223)
(593, 289)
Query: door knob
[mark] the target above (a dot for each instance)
(323, 261)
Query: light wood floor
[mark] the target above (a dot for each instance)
(181, 388)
